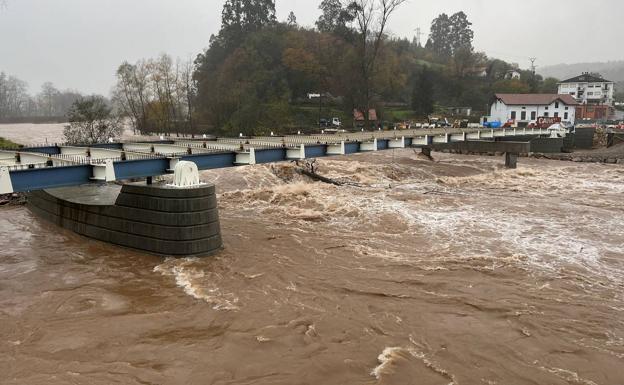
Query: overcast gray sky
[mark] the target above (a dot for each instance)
(78, 44)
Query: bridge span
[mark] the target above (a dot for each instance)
(38, 168)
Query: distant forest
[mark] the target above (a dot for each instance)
(16, 104)
(258, 72)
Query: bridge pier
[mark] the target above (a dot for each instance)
(158, 219)
(511, 160)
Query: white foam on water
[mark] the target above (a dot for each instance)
(197, 283)
(393, 355)
(547, 242)
(386, 359)
(493, 213)
(567, 375)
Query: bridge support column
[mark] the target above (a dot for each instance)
(6, 186)
(511, 160)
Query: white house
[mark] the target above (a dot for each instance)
(589, 89)
(529, 107)
(512, 74)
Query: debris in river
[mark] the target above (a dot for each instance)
(15, 199)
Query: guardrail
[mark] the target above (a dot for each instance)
(139, 159)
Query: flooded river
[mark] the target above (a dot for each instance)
(448, 272)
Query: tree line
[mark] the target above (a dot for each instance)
(258, 72)
(157, 95)
(16, 102)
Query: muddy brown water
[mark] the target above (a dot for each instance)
(452, 272)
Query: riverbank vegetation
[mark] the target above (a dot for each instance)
(258, 74)
(5, 143)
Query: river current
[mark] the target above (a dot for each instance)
(455, 271)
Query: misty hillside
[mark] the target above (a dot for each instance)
(613, 70)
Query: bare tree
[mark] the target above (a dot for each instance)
(188, 89)
(371, 22)
(131, 93)
(157, 95)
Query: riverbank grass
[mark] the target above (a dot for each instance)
(5, 143)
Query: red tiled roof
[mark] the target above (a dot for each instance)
(535, 99)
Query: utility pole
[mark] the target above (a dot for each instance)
(533, 59)
(534, 80)
(418, 35)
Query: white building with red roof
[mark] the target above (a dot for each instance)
(525, 108)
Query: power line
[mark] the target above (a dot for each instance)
(418, 35)
(533, 59)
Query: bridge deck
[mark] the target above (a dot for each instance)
(38, 168)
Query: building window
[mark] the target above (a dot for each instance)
(523, 115)
(546, 108)
(533, 115)
(546, 114)
(513, 115)
(556, 104)
(565, 116)
(556, 114)
(566, 108)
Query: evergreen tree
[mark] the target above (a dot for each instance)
(439, 38)
(461, 34)
(242, 17)
(422, 93)
(450, 35)
(335, 18)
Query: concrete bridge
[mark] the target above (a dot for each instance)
(38, 168)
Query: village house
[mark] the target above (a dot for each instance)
(589, 89)
(513, 75)
(525, 108)
(594, 94)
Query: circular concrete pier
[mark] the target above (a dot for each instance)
(159, 219)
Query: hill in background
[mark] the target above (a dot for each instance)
(613, 70)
